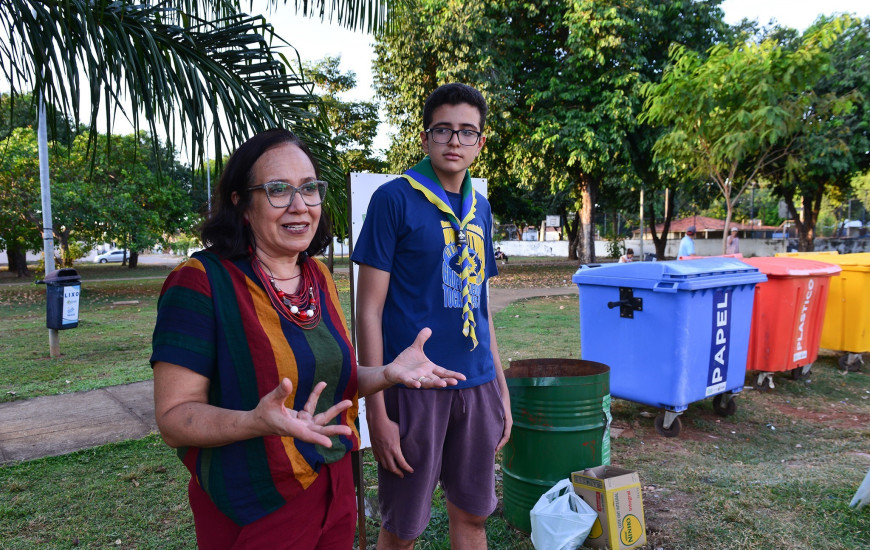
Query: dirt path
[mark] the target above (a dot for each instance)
(500, 298)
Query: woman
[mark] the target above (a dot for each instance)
(628, 257)
(249, 334)
(732, 243)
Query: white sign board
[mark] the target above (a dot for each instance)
(553, 221)
(70, 313)
(361, 188)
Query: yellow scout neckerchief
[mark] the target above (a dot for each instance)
(423, 178)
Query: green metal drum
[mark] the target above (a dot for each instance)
(561, 414)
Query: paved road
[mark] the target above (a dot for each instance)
(60, 424)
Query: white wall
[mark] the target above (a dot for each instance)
(703, 247)
(534, 248)
(712, 247)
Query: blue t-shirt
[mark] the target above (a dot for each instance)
(407, 236)
(687, 247)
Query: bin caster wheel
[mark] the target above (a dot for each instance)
(723, 407)
(800, 373)
(764, 381)
(673, 430)
(851, 362)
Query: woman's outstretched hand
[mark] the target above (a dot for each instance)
(303, 424)
(413, 369)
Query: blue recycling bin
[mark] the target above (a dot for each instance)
(671, 332)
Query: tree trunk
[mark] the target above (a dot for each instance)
(65, 256)
(574, 245)
(573, 230)
(12, 259)
(661, 242)
(806, 236)
(133, 259)
(17, 260)
(589, 195)
(729, 212)
(806, 227)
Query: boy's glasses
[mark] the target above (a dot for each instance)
(280, 194)
(444, 135)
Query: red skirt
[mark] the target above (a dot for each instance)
(323, 517)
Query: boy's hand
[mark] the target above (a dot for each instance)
(386, 446)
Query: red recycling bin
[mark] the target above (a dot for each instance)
(787, 316)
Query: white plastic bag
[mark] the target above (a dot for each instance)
(561, 520)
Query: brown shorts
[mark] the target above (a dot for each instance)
(448, 436)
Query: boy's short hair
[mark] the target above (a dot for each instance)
(454, 94)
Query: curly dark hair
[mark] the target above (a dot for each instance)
(454, 94)
(225, 232)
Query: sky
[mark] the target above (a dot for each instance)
(314, 40)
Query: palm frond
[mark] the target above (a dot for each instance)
(367, 15)
(179, 71)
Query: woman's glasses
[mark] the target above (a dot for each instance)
(280, 194)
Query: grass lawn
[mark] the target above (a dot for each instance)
(777, 474)
(110, 345)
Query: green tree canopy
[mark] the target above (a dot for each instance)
(19, 169)
(121, 198)
(732, 115)
(353, 125)
(97, 196)
(832, 146)
(562, 82)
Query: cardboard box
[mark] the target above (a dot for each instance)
(616, 495)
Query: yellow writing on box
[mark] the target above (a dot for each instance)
(615, 494)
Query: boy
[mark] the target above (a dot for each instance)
(425, 252)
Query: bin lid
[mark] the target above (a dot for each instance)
(792, 267)
(672, 275)
(858, 261)
(817, 253)
(62, 275)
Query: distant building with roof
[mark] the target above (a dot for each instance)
(710, 228)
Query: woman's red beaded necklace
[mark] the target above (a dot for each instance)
(300, 307)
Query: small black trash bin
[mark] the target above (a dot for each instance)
(62, 299)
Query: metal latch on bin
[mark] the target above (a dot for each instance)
(627, 303)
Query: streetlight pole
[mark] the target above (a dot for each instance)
(47, 228)
(208, 180)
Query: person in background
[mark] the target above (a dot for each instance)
(687, 244)
(425, 253)
(732, 243)
(255, 378)
(628, 257)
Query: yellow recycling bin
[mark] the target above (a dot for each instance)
(847, 316)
